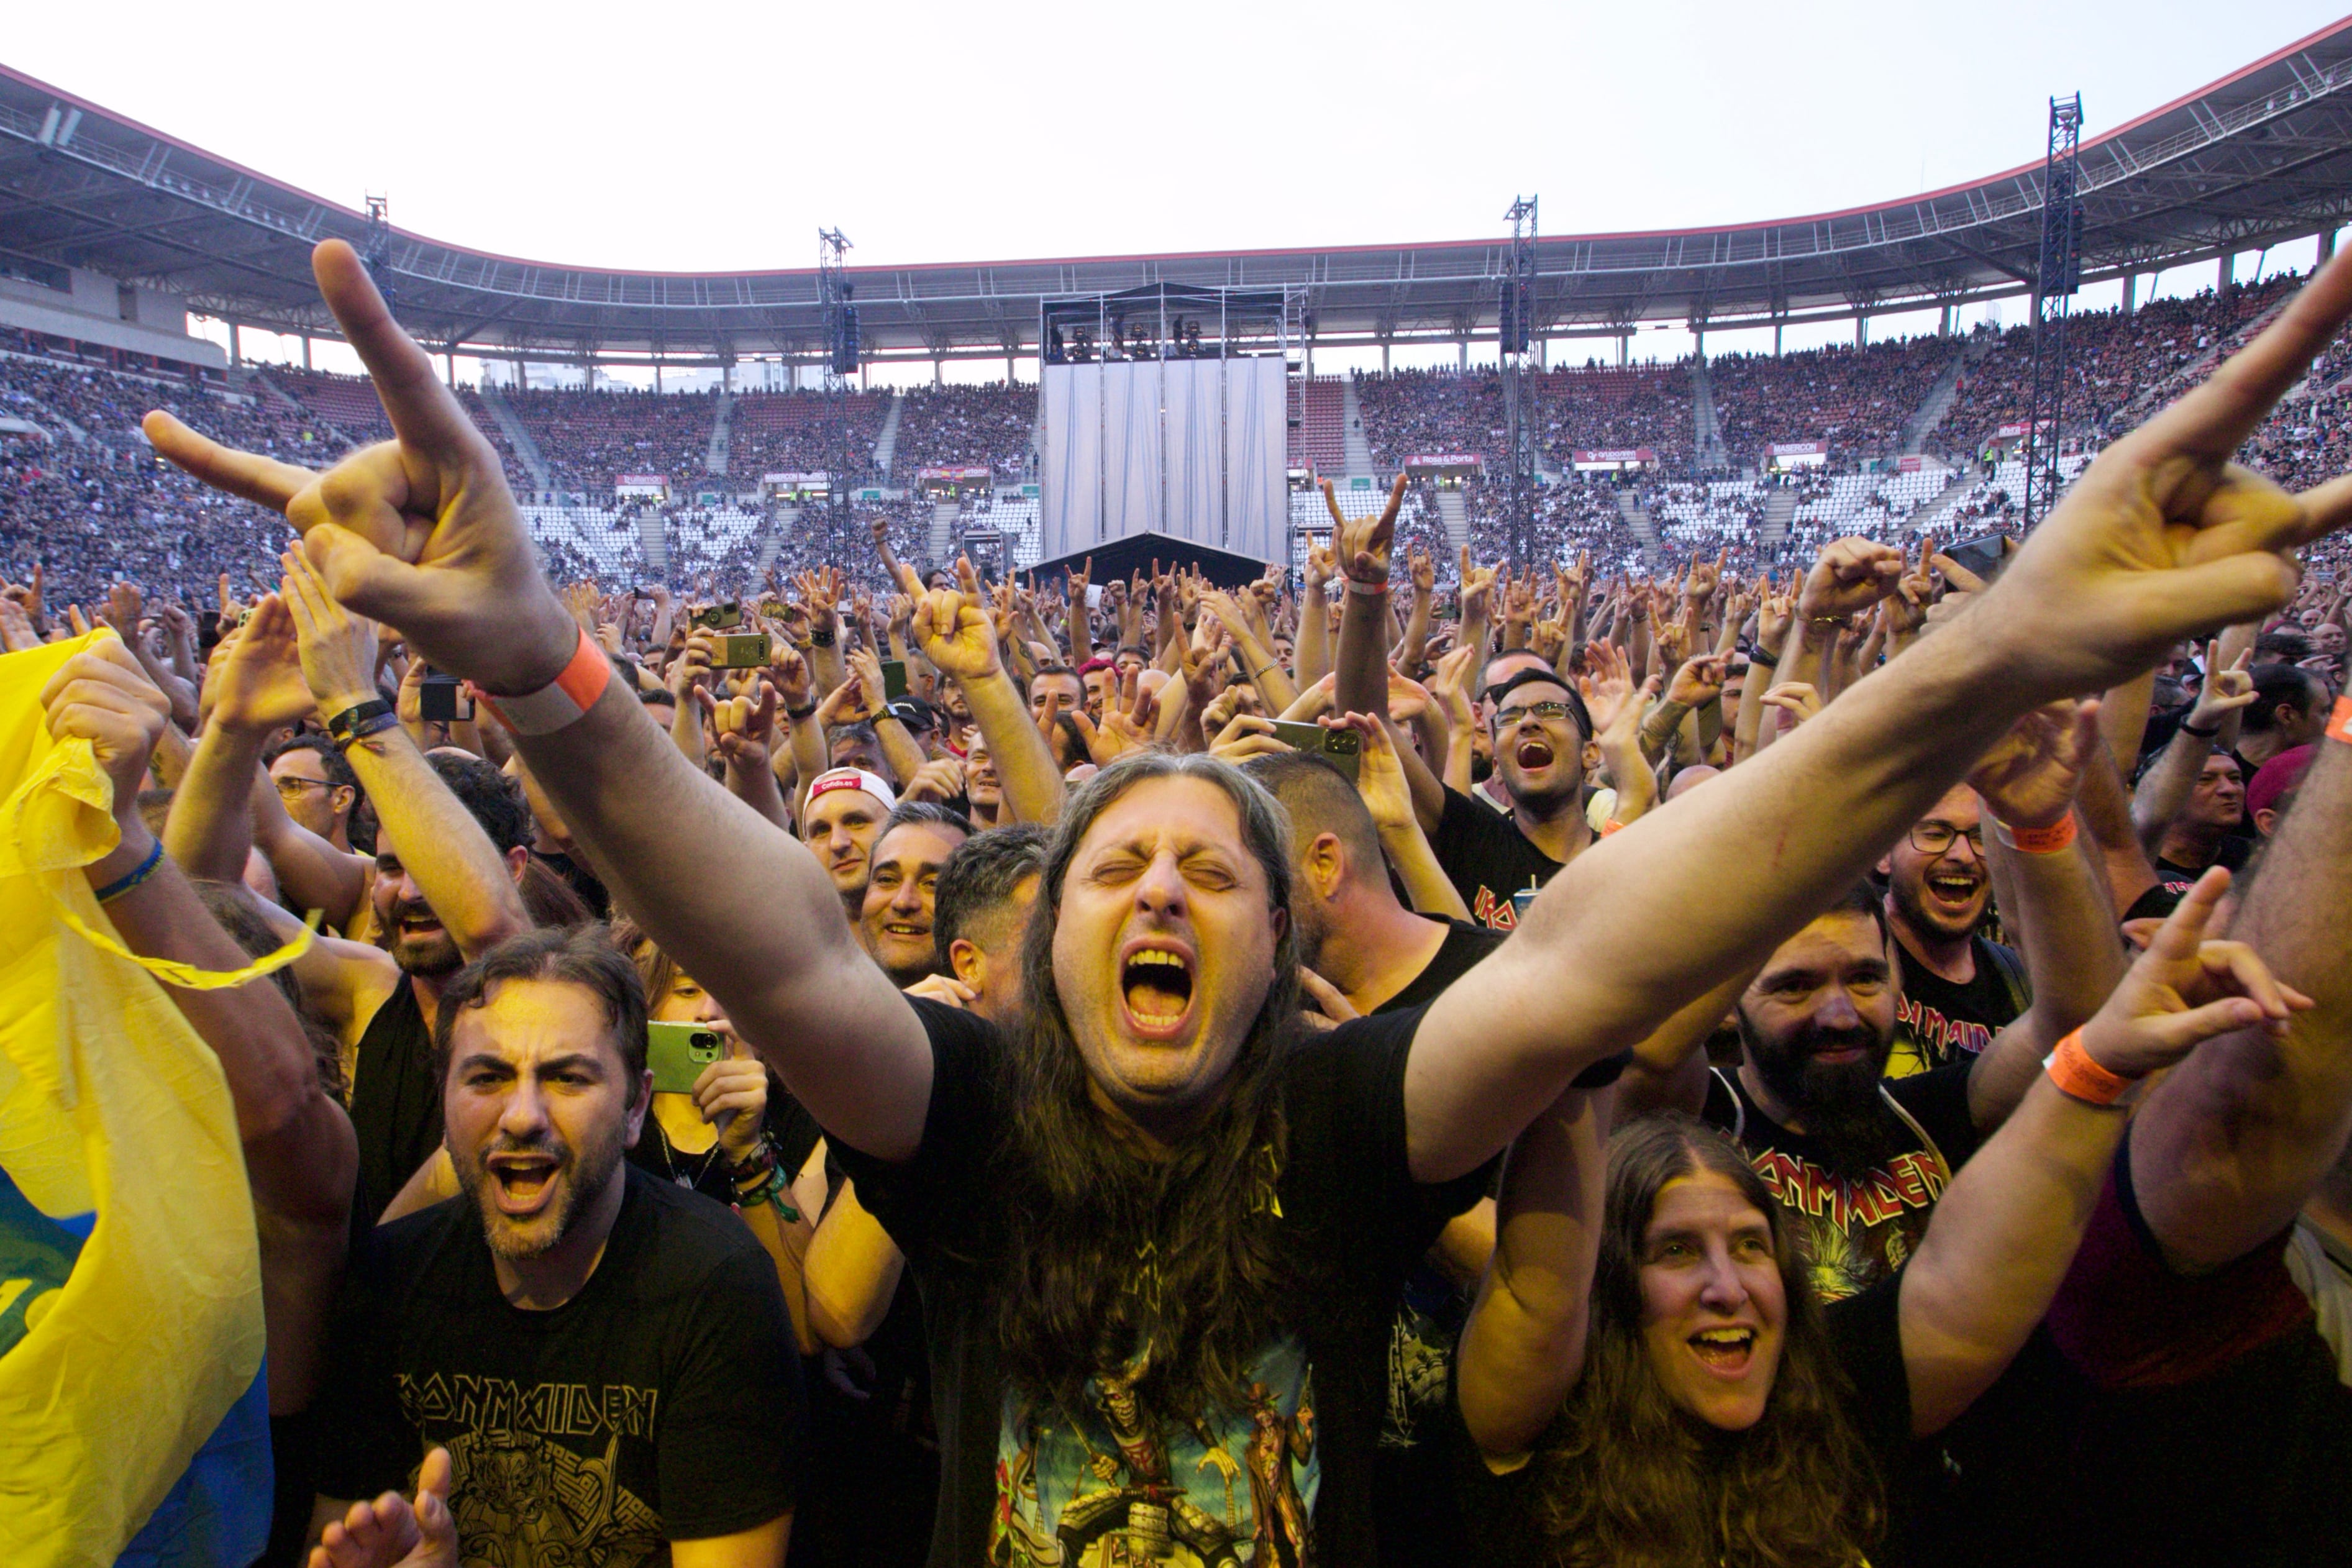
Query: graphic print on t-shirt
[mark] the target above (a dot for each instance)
(1856, 1229)
(536, 1470)
(1118, 1484)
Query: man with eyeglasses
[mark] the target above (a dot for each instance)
(1543, 741)
(1958, 989)
(317, 785)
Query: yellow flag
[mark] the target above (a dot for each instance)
(108, 1101)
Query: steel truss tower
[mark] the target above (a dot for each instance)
(842, 355)
(2055, 282)
(1517, 336)
(376, 255)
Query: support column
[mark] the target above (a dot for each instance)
(1860, 330)
(449, 363)
(1624, 348)
(306, 351)
(236, 344)
(1008, 364)
(1944, 322)
(2131, 293)
(1385, 356)
(938, 374)
(2326, 246)
(1698, 339)
(1777, 325)
(1462, 356)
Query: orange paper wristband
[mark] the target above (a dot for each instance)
(562, 701)
(2339, 723)
(2048, 840)
(2070, 1067)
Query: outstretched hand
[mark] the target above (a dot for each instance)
(1362, 547)
(954, 631)
(2184, 990)
(2163, 536)
(420, 532)
(393, 1533)
(2030, 777)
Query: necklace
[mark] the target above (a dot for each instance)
(669, 1163)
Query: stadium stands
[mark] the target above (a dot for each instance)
(79, 491)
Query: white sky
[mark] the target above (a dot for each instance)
(944, 132)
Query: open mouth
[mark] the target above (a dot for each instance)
(417, 923)
(1954, 892)
(1155, 982)
(524, 1182)
(905, 931)
(1533, 754)
(1723, 1351)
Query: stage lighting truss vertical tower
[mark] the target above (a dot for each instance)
(375, 251)
(841, 352)
(1516, 320)
(2055, 281)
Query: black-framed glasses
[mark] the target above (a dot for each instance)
(1512, 717)
(1935, 838)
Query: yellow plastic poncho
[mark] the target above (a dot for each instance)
(108, 1101)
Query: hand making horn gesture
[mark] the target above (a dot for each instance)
(420, 530)
(1362, 546)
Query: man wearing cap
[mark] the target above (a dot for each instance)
(840, 819)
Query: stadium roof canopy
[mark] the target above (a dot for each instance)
(2262, 156)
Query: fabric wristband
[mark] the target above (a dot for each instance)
(561, 701)
(2339, 723)
(1369, 590)
(131, 878)
(2070, 1067)
(2036, 841)
(373, 724)
(1769, 660)
(2191, 729)
(799, 715)
(343, 725)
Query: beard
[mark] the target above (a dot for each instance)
(431, 955)
(1839, 1102)
(582, 1175)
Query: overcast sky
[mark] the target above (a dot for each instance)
(946, 132)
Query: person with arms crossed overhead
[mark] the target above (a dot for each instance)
(1109, 1209)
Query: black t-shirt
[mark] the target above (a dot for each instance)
(396, 1103)
(1488, 859)
(2232, 852)
(1419, 1522)
(1865, 1340)
(1938, 1023)
(792, 1133)
(1464, 946)
(661, 1403)
(1020, 1485)
(1858, 1229)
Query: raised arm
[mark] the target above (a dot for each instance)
(2230, 1148)
(1361, 548)
(256, 689)
(2161, 538)
(957, 635)
(455, 865)
(2027, 784)
(1522, 1346)
(422, 532)
(2211, 726)
(2005, 1231)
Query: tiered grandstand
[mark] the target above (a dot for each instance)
(1915, 431)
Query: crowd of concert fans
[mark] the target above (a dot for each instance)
(1411, 1062)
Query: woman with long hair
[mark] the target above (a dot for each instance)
(1647, 1378)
